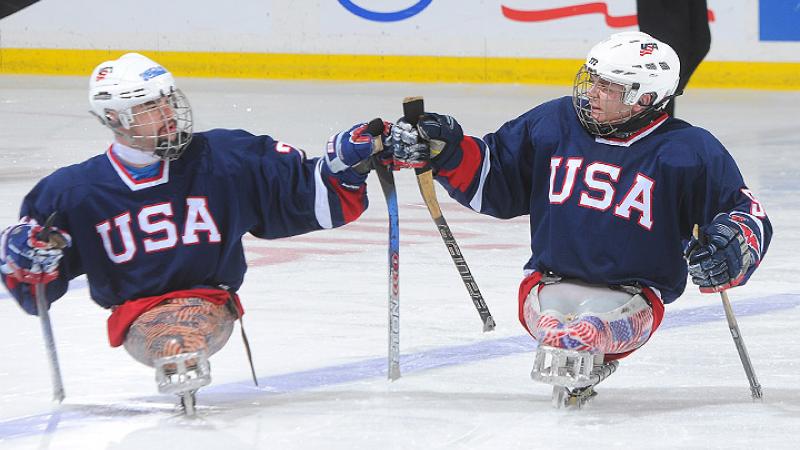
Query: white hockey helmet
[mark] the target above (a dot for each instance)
(116, 87)
(637, 62)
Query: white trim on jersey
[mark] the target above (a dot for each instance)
(639, 135)
(322, 209)
(477, 200)
(133, 184)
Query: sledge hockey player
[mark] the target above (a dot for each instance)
(613, 187)
(156, 221)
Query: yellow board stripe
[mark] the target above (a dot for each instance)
(713, 74)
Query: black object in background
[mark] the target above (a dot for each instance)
(683, 24)
(8, 7)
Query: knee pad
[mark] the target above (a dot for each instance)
(179, 325)
(583, 317)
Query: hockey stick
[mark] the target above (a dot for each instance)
(390, 193)
(44, 319)
(755, 387)
(386, 177)
(413, 108)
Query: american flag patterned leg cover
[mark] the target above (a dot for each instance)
(617, 331)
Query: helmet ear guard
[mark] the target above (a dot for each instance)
(109, 118)
(113, 119)
(631, 97)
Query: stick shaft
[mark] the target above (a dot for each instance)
(755, 387)
(733, 326)
(413, 108)
(49, 342)
(386, 179)
(425, 181)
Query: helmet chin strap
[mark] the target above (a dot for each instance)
(132, 155)
(641, 120)
(636, 123)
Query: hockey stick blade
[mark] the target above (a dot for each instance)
(413, 108)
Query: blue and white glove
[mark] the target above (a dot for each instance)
(730, 250)
(435, 135)
(407, 148)
(348, 149)
(25, 258)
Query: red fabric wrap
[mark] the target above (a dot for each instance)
(525, 287)
(122, 316)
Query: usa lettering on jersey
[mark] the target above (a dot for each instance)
(600, 179)
(160, 231)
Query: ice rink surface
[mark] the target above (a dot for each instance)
(317, 304)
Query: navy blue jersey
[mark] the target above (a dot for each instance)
(603, 210)
(183, 227)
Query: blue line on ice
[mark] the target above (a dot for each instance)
(365, 370)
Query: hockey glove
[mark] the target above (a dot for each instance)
(347, 149)
(26, 258)
(407, 148)
(434, 136)
(724, 258)
(443, 133)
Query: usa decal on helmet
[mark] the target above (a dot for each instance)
(101, 75)
(647, 49)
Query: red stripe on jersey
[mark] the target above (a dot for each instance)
(122, 316)
(461, 177)
(352, 202)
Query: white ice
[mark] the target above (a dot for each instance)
(317, 304)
